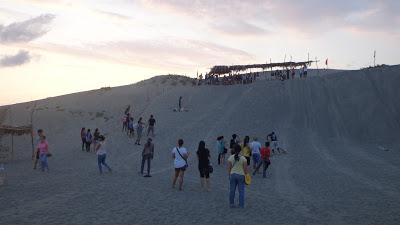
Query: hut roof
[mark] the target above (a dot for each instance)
(18, 131)
(236, 68)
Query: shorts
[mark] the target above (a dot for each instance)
(180, 169)
(248, 160)
(256, 158)
(204, 172)
(275, 145)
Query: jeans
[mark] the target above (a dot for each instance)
(256, 158)
(43, 161)
(101, 160)
(265, 164)
(236, 180)
(144, 158)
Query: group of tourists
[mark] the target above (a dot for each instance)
(129, 126)
(95, 143)
(230, 79)
(41, 152)
(287, 74)
(242, 153)
(89, 140)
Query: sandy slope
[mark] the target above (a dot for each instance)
(332, 126)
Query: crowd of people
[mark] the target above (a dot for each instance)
(287, 74)
(245, 159)
(129, 126)
(231, 79)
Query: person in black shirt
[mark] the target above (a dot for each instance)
(203, 155)
(150, 128)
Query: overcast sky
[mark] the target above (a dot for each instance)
(53, 47)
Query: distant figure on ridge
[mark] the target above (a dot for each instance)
(180, 104)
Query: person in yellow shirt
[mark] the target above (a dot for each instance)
(246, 151)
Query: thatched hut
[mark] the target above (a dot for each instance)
(12, 131)
(221, 69)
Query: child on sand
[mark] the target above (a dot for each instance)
(40, 133)
(180, 156)
(101, 154)
(43, 148)
(265, 154)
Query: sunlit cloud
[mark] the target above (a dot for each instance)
(25, 31)
(20, 58)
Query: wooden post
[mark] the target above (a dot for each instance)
(12, 146)
(316, 63)
(33, 145)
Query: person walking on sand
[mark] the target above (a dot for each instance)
(203, 156)
(255, 152)
(237, 169)
(221, 150)
(147, 155)
(180, 104)
(180, 156)
(40, 133)
(88, 140)
(151, 123)
(96, 136)
(83, 138)
(131, 128)
(101, 153)
(43, 148)
(265, 154)
(232, 143)
(246, 151)
(274, 141)
(140, 126)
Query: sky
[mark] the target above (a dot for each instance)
(54, 47)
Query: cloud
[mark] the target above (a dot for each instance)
(25, 31)
(307, 16)
(22, 57)
(239, 28)
(112, 15)
(167, 53)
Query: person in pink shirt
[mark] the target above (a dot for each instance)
(43, 149)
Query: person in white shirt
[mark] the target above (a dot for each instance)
(180, 156)
(255, 152)
(101, 154)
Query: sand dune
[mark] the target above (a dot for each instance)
(332, 125)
